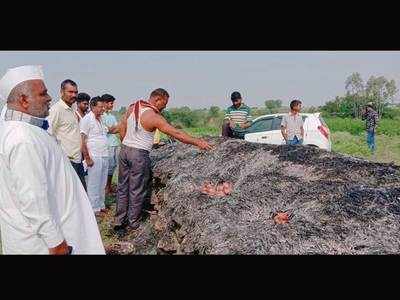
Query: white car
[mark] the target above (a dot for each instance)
(267, 130)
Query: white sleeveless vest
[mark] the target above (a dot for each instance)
(140, 139)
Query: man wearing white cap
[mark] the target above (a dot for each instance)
(44, 208)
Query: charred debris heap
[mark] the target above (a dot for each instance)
(245, 198)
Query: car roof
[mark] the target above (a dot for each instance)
(282, 114)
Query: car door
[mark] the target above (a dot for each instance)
(276, 137)
(260, 131)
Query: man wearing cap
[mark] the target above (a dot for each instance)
(237, 118)
(64, 125)
(43, 206)
(371, 123)
(109, 120)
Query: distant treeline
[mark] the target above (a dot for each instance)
(378, 90)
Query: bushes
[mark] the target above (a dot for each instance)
(389, 127)
(391, 113)
(353, 126)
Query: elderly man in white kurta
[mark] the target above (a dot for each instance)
(44, 208)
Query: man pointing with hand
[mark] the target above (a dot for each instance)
(137, 128)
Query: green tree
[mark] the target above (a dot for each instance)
(380, 91)
(272, 106)
(354, 86)
(214, 111)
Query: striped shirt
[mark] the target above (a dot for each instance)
(239, 115)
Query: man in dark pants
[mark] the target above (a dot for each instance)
(137, 129)
(64, 126)
(135, 173)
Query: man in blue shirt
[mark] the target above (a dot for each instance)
(114, 142)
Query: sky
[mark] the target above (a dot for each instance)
(200, 79)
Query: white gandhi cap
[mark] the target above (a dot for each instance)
(15, 76)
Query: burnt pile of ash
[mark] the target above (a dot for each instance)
(244, 198)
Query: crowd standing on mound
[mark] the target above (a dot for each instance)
(57, 164)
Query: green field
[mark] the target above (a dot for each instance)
(348, 137)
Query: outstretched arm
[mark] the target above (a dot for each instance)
(156, 121)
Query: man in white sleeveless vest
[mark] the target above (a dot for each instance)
(134, 176)
(44, 208)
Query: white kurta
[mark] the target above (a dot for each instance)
(3, 111)
(42, 201)
(97, 144)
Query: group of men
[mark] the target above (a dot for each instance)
(237, 122)
(56, 164)
(87, 136)
(238, 119)
(44, 153)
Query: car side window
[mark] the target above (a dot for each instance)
(262, 125)
(276, 125)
